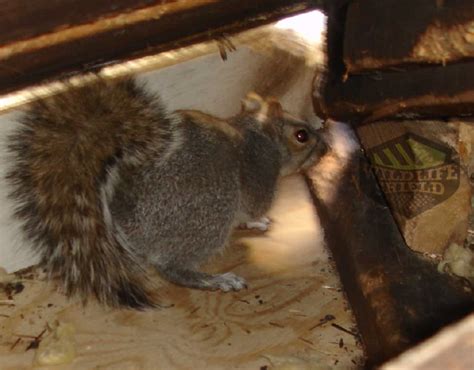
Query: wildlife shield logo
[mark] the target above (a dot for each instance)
(415, 174)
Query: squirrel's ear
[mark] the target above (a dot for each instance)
(252, 103)
(275, 110)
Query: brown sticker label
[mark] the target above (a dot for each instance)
(415, 173)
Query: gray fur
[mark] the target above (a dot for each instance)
(179, 213)
(107, 183)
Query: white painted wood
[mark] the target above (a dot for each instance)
(15, 252)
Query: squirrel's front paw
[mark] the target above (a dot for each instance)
(261, 224)
(227, 282)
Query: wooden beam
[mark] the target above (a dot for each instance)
(24, 19)
(398, 297)
(379, 34)
(426, 92)
(41, 41)
(360, 42)
(336, 19)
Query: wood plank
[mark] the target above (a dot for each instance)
(379, 34)
(425, 92)
(24, 19)
(452, 348)
(398, 297)
(110, 36)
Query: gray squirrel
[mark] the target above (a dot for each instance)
(106, 183)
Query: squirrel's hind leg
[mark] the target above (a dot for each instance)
(200, 280)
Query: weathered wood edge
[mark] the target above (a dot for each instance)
(452, 348)
(398, 298)
(424, 93)
(25, 19)
(380, 35)
(410, 90)
(157, 30)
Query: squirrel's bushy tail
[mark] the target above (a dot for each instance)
(66, 160)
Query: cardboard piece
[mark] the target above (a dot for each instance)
(424, 169)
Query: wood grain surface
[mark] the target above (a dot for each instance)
(41, 41)
(436, 31)
(422, 93)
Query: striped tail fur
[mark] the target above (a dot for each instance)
(66, 161)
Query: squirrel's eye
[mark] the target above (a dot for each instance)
(302, 136)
